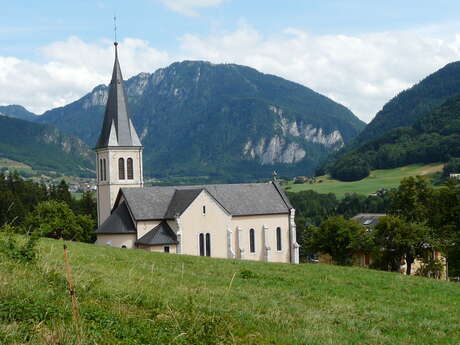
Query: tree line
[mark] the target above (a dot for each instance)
(27, 206)
(420, 221)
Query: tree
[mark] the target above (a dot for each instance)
(412, 200)
(350, 168)
(396, 240)
(444, 220)
(339, 238)
(86, 205)
(61, 193)
(55, 219)
(451, 167)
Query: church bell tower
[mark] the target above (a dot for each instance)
(118, 149)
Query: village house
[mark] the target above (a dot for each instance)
(454, 176)
(369, 221)
(253, 221)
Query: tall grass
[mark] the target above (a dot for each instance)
(136, 297)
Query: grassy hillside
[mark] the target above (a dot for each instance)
(389, 178)
(136, 297)
(44, 148)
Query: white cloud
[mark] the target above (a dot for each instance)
(72, 69)
(362, 72)
(189, 7)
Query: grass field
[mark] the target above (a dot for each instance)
(8, 163)
(378, 179)
(136, 297)
(14, 165)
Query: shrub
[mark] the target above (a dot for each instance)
(247, 274)
(13, 249)
(431, 268)
(55, 219)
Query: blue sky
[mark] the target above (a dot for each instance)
(360, 53)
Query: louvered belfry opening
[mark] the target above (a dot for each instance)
(121, 169)
(130, 168)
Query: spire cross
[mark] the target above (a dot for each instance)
(115, 28)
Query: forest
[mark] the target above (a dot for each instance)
(432, 138)
(30, 207)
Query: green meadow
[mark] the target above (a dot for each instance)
(136, 297)
(389, 178)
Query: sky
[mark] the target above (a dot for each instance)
(359, 53)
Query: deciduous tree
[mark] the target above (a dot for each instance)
(339, 238)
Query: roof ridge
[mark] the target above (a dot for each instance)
(175, 208)
(283, 195)
(153, 237)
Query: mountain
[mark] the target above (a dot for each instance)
(44, 147)
(225, 121)
(401, 111)
(412, 104)
(432, 138)
(18, 112)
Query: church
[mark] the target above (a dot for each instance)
(251, 221)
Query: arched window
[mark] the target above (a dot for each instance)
(208, 244)
(252, 241)
(104, 172)
(101, 170)
(129, 167)
(121, 169)
(278, 239)
(201, 240)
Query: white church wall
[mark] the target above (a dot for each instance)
(125, 153)
(159, 248)
(145, 226)
(263, 236)
(117, 240)
(213, 221)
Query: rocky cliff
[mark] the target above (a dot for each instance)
(197, 118)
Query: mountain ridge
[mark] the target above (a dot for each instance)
(44, 148)
(17, 111)
(396, 116)
(198, 118)
(411, 104)
(434, 137)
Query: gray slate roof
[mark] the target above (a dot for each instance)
(119, 222)
(182, 198)
(368, 219)
(237, 199)
(159, 235)
(117, 128)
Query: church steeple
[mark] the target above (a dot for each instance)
(117, 128)
(118, 150)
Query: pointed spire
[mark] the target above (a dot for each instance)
(117, 128)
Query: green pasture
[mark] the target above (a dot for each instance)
(137, 297)
(389, 178)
